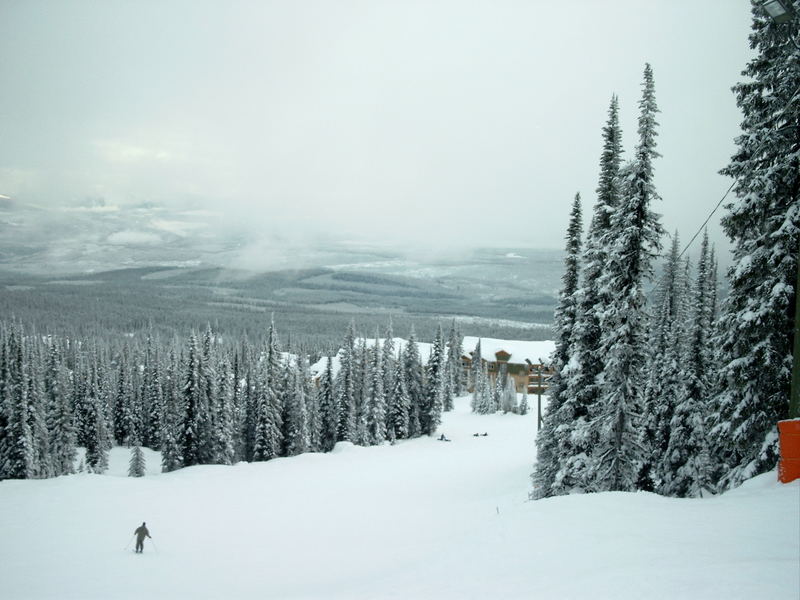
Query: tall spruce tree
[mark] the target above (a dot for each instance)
(475, 376)
(18, 459)
(224, 442)
(663, 380)
(268, 434)
(80, 403)
(686, 459)
(124, 418)
(195, 418)
(388, 362)
(37, 413)
(98, 440)
(376, 397)
(455, 372)
(399, 405)
(763, 224)
(59, 415)
(208, 362)
(345, 387)
(312, 405)
(431, 411)
(172, 425)
(484, 405)
(240, 409)
(362, 371)
(298, 439)
(153, 396)
(415, 387)
(553, 442)
(592, 299)
(329, 409)
(633, 242)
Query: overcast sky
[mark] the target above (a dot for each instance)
(433, 123)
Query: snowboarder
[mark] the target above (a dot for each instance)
(140, 534)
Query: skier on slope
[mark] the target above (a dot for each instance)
(140, 534)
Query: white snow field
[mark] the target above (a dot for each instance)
(421, 519)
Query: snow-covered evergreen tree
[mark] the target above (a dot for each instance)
(456, 385)
(80, 404)
(98, 440)
(388, 360)
(124, 414)
(475, 376)
(362, 372)
(482, 395)
(431, 413)
(496, 390)
(763, 224)
(104, 397)
(399, 405)
(376, 398)
(285, 391)
(415, 387)
(137, 466)
(329, 409)
(345, 387)
(37, 413)
(523, 403)
(153, 396)
(686, 469)
(268, 436)
(633, 242)
(17, 461)
(4, 405)
(225, 424)
(663, 377)
(508, 399)
(312, 407)
(240, 410)
(554, 443)
(59, 414)
(208, 362)
(298, 438)
(172, 427)
(586, 355)
(193, 435)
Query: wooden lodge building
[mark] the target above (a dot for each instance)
(527, 363)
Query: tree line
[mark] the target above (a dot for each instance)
(209, 401)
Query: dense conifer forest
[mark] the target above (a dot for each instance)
(671, 390)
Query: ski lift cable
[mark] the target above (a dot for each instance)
(725, 195)
(728, 191)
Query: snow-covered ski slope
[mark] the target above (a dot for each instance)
(422, 519)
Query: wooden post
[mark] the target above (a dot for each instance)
(539, 398)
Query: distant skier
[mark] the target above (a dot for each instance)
(140, 534)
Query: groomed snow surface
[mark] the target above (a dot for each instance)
(421, 519)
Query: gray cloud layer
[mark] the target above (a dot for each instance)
(443, 123)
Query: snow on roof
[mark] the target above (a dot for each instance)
(518, 349)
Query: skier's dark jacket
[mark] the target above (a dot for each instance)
(141, 532)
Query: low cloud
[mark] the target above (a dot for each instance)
(133, 238)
